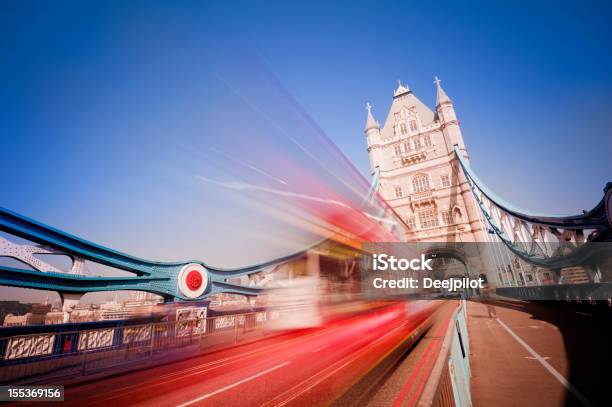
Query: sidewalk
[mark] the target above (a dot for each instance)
(517, 358)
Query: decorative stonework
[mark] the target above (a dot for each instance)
(416, 141)
(423, 199)
(95, 339)
(27, 346)
(414, 158)
(136, 334)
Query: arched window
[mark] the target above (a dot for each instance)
(420, 183)
(457, 215)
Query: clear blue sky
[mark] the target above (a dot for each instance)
(103, 105)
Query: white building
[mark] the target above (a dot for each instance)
(419, 175)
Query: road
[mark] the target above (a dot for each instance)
(539, 354)
(521, 353)
(307, 367)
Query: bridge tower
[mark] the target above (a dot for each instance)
(419, 174)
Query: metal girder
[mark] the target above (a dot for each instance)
(160, 278)
(167, 279)
(573, 246)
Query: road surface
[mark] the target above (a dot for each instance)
(307, 367)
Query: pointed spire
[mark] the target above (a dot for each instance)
(370, 122)
(401, 89)
(441, 96)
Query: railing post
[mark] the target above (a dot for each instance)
(191, 324)
(203, 331)
(151, 341)
(235, 329)
(83, 362)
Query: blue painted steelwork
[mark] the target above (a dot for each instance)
(597, 219)
(593, 219)
(156, 277)
(374, 186)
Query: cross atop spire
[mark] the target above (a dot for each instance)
(441, 96)
(371, 123)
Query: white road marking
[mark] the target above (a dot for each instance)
(532, 358)
(547, 365)
(582, 313)
(303, 390)
(208, 366)
(207, 395)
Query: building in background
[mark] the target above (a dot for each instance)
(138, 305)
(35, 316)
(419, 176)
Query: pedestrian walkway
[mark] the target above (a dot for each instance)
(520, 355)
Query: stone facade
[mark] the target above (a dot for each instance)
(419, 176)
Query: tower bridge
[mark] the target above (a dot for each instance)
(421, 171)
(424, 192)
(425, 175)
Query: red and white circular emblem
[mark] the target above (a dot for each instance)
(192, 280)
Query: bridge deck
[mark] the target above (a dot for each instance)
(538, 354)
(402, 380)
(304, 367)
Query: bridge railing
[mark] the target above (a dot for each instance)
(449, 382)
(45, 357)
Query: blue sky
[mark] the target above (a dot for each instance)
(109, 109)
